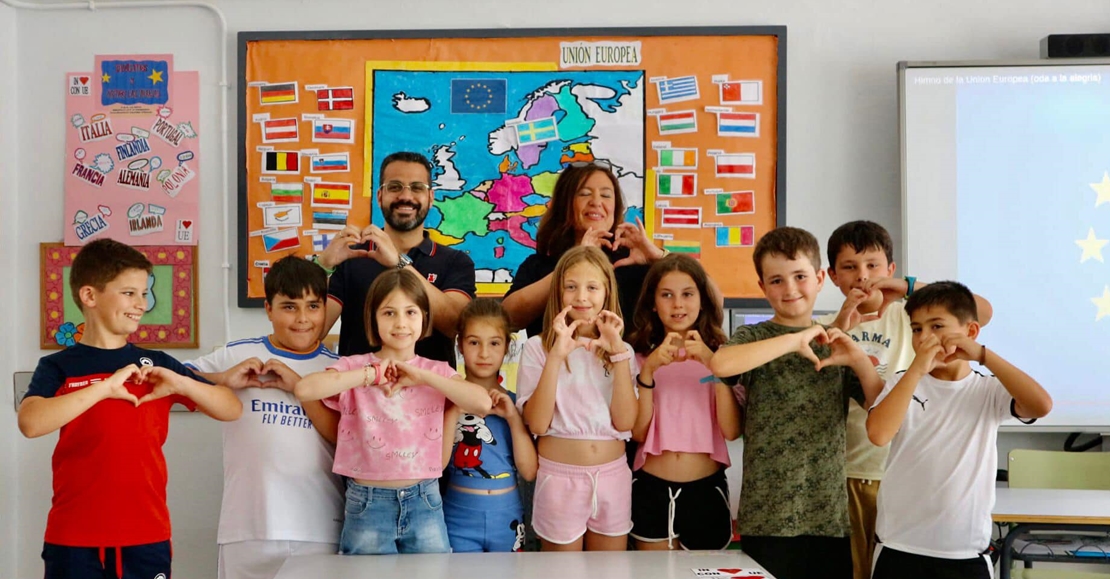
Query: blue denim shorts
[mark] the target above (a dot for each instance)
(384, 521)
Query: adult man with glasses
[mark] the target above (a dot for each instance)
(356, 256)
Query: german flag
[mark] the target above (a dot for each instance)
(273, 94)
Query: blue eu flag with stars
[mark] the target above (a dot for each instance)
(480, 95)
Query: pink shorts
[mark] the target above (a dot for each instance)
(571, 499)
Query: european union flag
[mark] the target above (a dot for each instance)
(132, 82)
(479, 95)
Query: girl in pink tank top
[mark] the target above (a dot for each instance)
(679, 491)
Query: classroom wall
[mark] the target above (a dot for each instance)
(842, 154)
(8, 340)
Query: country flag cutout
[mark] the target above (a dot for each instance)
(686, 217)
(280, 131)
(286, 192)
(677, 123)
(676, 184)
(333, 131)
(742, 92)
(678, 89)
(536, 132)
(740, 165)
(281, 162)
(742, 236)
(738, 124)
(278, 93)
(328, 220)
(280, 240)
(334, 195)
(331, 163)
(688, 248)
(341, 98)
(736, 203)
(678, 158)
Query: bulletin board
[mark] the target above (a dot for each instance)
(690, 119)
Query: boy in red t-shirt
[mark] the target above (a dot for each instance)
(111, 400)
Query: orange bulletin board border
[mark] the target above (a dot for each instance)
(730, 172)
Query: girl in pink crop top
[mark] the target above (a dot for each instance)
(391, 406)
(679, 494)
(575, 390)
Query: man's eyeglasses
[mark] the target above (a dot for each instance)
(416, 187)
(599, 163)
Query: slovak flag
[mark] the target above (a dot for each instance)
(333, 131)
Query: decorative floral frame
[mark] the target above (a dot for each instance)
(56, 332)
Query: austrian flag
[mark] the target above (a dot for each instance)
(279, 130)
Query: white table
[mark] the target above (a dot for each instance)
(1049, 510)
(610, 565)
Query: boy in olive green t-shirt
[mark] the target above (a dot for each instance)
(799, 376)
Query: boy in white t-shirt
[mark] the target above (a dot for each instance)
(935, 503)
(280, 496)
(861, 264)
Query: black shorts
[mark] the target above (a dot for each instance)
(135, 562)
(696, 513)
(892, 563)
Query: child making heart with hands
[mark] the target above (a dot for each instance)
(485, 454)
(679, 490)
(575, 389)
(391, 424)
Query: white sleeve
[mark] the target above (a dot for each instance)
(890, 384)
(217, 361)
(1000, 399)
(532, 360)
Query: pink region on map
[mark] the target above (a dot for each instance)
(507, 192)
(514, 224)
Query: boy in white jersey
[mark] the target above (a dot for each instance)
(861, 264)
(942, 420)
(280, 497)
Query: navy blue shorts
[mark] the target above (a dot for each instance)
(150, 561)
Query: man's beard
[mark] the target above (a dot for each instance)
(417, 220)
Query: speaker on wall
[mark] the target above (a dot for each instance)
(1075, 46)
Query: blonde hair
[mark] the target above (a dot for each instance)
(580, 254)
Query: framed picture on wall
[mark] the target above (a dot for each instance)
(170, 320)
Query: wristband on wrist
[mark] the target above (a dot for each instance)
(377, 372)
(315, 258)
(625, 355)
(982, 355)
(910, 280)
(366, 376)
(642, 385)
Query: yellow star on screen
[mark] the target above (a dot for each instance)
(1102, 303)
(105, 77)
(1092, 246)
(155, 77)
(1103, 189)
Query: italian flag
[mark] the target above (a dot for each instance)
(677, 185)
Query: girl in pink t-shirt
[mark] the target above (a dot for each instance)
(575, 388)
(391, 405)
(679, 491)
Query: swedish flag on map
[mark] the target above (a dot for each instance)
(537, 131)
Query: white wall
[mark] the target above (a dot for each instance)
(842, 150)
(8, 199)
